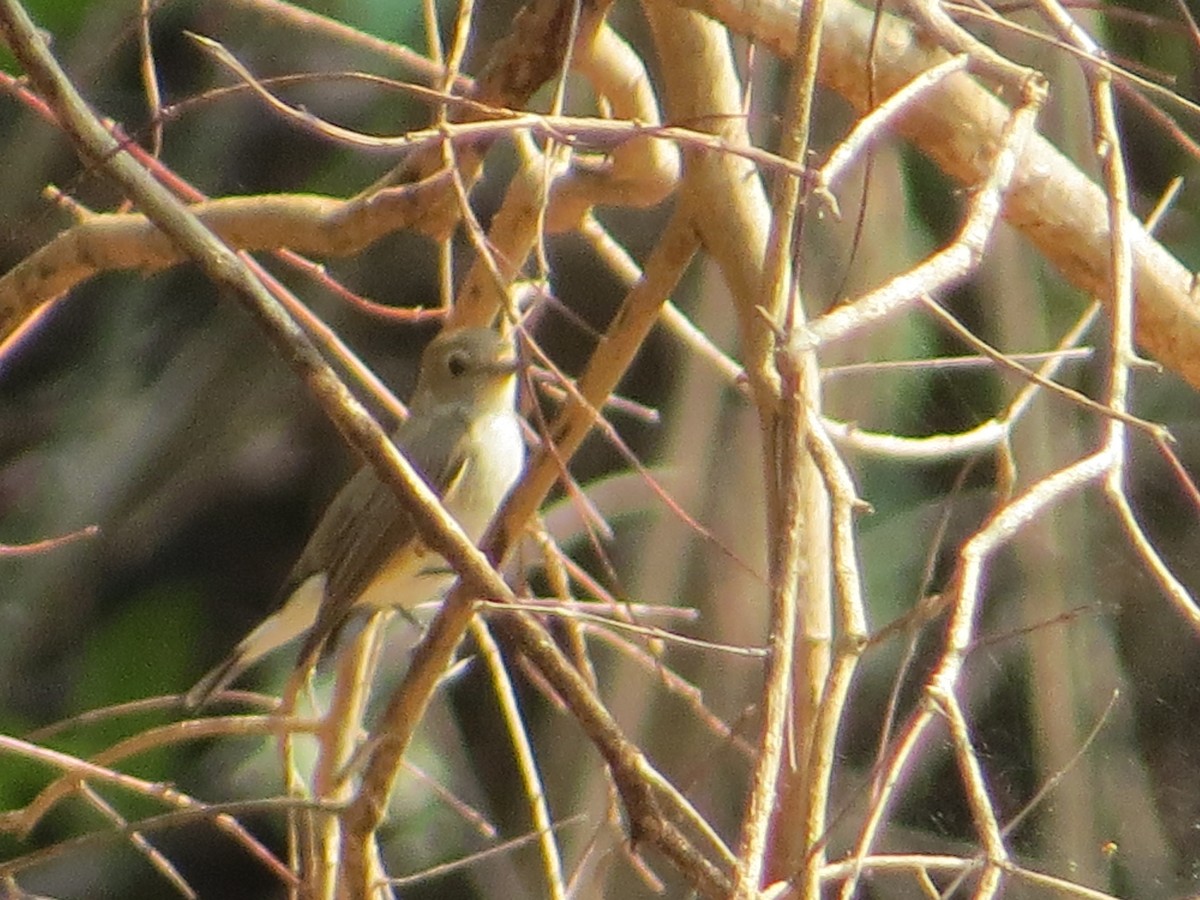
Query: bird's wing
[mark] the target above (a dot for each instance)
(365, 525)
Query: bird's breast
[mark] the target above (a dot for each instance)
(495, 457)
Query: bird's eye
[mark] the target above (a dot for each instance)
(457, 364)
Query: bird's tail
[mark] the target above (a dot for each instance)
(216, 680)
(294, 618)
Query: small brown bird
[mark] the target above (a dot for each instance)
(463, 435)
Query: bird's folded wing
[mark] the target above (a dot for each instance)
(366, 529)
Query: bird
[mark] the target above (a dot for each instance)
(463, 436)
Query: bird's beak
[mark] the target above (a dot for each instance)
(508, 365)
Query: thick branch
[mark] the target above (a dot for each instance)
(958, 125)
